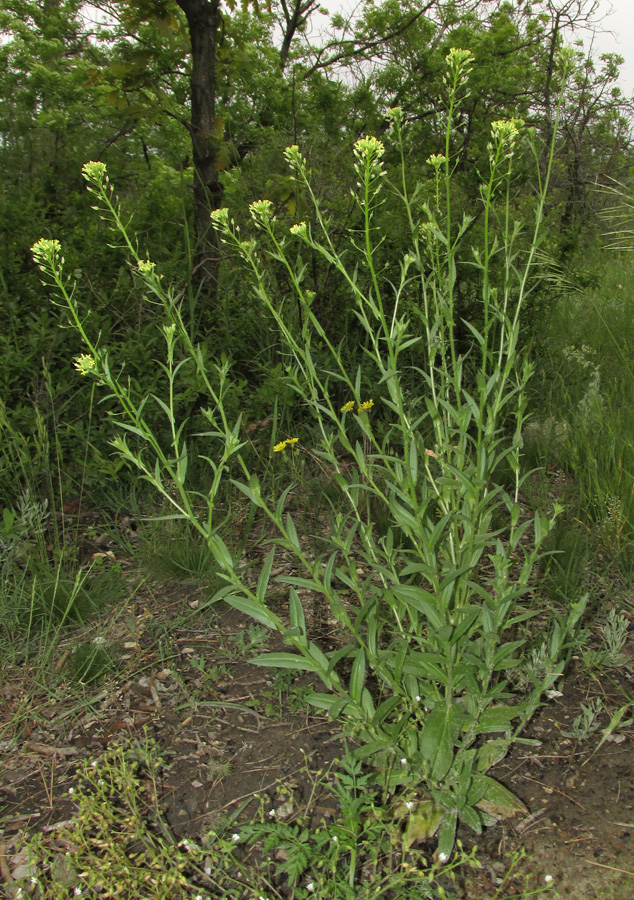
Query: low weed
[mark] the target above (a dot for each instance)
(173, 550)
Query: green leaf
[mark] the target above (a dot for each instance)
(357, 676)
(220, 552)
(413, 460)
(437, 741)
(322, 701)
(403, 517)
(371, 748)
(472, 818)
(447, 834)
(425, 665)
(385, 709)
(297, 612)
(265, 574)
(291, 532)
(422, 601)
(493, 798)
(491, 753)
(497, 718)
(248, 492)
(253, 609)
(285, 661)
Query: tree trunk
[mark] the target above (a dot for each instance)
(203, 19)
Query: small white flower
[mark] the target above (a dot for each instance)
(77, 892)
(235, 837)
(71, 790)
(409, 804)
(272, 813)
(33, 879)
(403, 761)
(335, 838)
(198, 897)
(417, 698)
(94, 764)
(310, 887)
(442, 857)
(548, 879)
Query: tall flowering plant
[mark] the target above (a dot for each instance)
(431, 617)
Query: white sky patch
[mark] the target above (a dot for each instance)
(617, 36)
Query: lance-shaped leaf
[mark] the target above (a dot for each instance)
(286, 661)
(438, 740)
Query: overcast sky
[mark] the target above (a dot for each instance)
(621, 23)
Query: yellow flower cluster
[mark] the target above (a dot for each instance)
(278, 447)
(84, 364)
(365, 406)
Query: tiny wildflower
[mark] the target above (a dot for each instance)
(365, 406)
(548, 879)
(310, 887)
(198, 897)
(294, 158)
(458, 56)
(77, 892)
(235, 837)
(71, 790)
(33, 879)
(409, 804)
(145, 266)
(395, 116)
(417, 698)
(272, 813)
(261, 212)
(347, 406)
(93, 170)
(436, 160)
(292, 440)
(84, 363)
(278, 447)
(403, 761)
(220, 218)
(299, 229)
(45, 247)
(334, 838)
(369, 152)
(506, 129)
(443, 857)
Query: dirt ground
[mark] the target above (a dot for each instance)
(228, 730)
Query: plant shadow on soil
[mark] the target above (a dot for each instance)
(228, 731)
